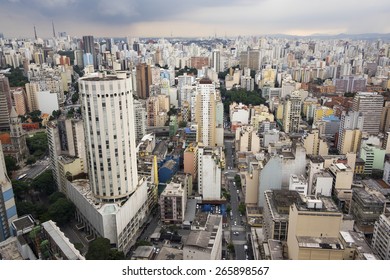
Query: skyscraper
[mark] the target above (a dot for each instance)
(216, 60)
(370, 104)
(89, 47)
(7, 201)
(205, 111)
(292, 112)
(144, 80)
(5, 102)
(107, 106)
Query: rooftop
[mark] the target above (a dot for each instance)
(329, 243)
(23, 223)
(169, 253)
(143, 252)
(9, 250)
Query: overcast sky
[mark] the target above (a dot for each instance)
(163, 18)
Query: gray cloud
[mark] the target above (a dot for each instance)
(226, 16)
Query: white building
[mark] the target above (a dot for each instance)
(47, 102)
(298, 183)
(381, 238)
(107, 107)
(209, 172)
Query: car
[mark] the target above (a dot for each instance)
(236, 233)
(235, 223)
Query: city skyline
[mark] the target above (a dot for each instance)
(150, 18)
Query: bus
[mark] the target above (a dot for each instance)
(22, 176)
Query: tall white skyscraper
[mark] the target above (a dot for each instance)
(107, 106)
(216, 60)
(205, 111)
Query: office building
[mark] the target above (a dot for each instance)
(144, 80)
(20, 101)
(89, 48)
(320, 240)
(216, 60)
(370, 104)
(107, 107)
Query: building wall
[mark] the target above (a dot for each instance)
(209, 175)
(112, 163)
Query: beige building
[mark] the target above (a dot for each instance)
(173, 201)
(314, 144)
(313, 232)
(247, 139)
(20, 101)
(32, 90)
(68, 169)
(191, 160)
(206, 242)
(251, 185)
(350, 141)
(205, 111)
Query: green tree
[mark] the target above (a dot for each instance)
(56, 196)
(37, 144)
(230, 247)
(44, 183)
(21, 189)
(228, 208)
(242, 208)
(31, 160)
(75, 97)
(61, 211)
(237, 180)
(11, 165)
(100, 249)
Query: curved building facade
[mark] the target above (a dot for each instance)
(107, 108)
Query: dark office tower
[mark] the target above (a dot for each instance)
(144, 80)
(89, 47)
(5, 103)
(136, 47)
(35, 33)
(54, 31)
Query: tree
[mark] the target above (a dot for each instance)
(20, 188)
(237, 180)
(75, 97)
(61, 211)
(37, 144)
(31, 160)
(10, 165)
(56, 196)
(44, 183)
(242, 208)
(228, 208)
(56, 113)
(100, 249)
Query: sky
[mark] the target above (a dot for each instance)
(200, 18)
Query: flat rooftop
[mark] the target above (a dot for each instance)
(169, 253)
(9, 250)
(329, 243)
(23, 223)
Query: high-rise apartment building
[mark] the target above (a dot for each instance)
(7, 202)
(144, 80)
(292, 112)
(107, 107)
(216, 60)
(371, 105)
(140, 120)
(205, 115)
(5, 102)
(32, 90)
(350, 131)
(20, 101)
